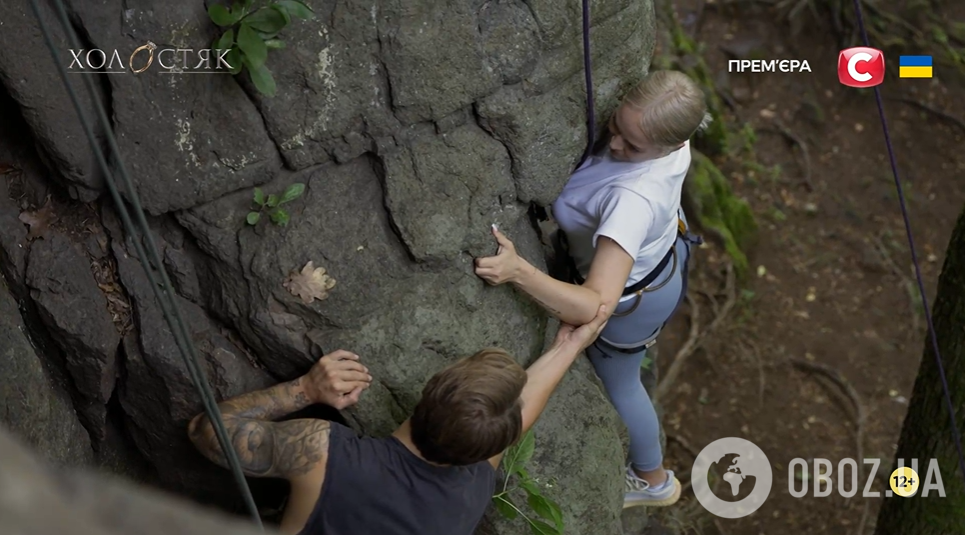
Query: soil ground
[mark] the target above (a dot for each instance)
(831, 280)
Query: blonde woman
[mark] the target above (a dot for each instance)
(626, 235)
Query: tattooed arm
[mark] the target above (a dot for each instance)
(296, 450)
(290, 449)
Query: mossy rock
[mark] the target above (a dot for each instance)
(719, 211)
(713, 140)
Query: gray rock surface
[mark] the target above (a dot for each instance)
(36, 499)
(185, 139)
(158, 394)
(442, 190)
(21, 176)
(13, 237)
(74, 311)
(33, 405)
(28, 73)
(414, 128)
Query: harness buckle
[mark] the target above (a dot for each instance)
(687, 235)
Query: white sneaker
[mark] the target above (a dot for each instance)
(638, 492)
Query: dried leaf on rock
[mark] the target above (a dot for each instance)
(38, 220)
(310, 283)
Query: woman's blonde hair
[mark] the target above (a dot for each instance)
(673, 107)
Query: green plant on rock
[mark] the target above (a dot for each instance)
(252, 32)
(720, 210)
(272, 205)
(744, 142)
(550, 521)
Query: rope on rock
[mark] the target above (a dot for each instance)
(588, 72)
(163, 290)
(914, 256)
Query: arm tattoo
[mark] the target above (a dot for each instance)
(269, 449)
(266, 448)
(268, 404)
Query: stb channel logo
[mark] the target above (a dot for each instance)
(861, 67)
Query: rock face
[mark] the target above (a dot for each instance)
(36, 499)
(35, 406)
(74, 310)
(27, 72)
(414, 127)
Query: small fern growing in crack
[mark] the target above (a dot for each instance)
(272, 205)
(252, 32)
(548, 519)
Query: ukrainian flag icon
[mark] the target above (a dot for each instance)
(914, 67)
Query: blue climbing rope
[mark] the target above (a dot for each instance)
(914, 256)
(163, 290)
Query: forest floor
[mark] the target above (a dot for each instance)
(830, 280)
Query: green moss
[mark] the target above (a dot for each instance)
(714, 140)
(719, 210)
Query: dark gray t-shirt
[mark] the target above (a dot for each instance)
(376, 486)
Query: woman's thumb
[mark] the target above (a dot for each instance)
(500, 237)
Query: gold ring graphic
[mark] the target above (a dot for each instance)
(150, 47)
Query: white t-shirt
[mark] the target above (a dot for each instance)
(634, 204)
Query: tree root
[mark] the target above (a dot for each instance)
(683, 443)
(955, 121)
(685, 351)
(864, 518)
(784, 131)
(714, 306)
(751, 348)
(698, 17)
(697, 337)
(852, 394)
(727, 99)
(906, 281)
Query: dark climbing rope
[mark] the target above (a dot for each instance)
(588, 72)
(163, 290)
(914, 255)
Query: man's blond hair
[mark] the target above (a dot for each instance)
(673, 106)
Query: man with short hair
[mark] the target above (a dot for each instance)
(435, 475)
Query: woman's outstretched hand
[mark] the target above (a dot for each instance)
(504, 267)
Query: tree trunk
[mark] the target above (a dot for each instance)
(927, 431)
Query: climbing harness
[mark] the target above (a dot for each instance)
(642, 286)
(956, 436)
(639, 288)
(163, 290)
